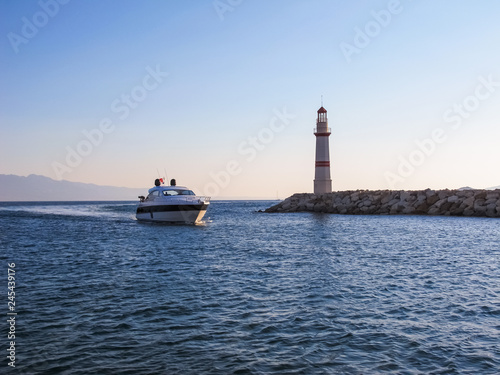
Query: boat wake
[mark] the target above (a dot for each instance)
(101, 209)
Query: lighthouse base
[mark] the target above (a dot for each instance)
(322, 186)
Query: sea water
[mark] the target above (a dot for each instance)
(249, 293)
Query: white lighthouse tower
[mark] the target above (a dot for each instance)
(322, 179)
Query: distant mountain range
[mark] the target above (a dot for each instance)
(469, 188)
(41, 188)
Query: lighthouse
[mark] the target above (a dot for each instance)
(322, 179)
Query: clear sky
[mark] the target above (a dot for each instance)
(222, 95)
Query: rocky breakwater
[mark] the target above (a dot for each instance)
(481, 203)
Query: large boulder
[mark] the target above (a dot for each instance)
(431, 199)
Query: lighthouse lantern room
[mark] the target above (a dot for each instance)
(322, 179)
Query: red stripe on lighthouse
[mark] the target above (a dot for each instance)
(322, 164)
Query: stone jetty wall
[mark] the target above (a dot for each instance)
(471, 202)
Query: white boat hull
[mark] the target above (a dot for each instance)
(173, 213)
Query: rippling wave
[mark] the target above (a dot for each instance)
(247, 293)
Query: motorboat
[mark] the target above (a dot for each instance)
(172, 204)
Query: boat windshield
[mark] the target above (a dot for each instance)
(177, 192)
(153, 195)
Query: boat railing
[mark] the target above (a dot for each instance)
(204, 199)
(191, 198)
(177, 198)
